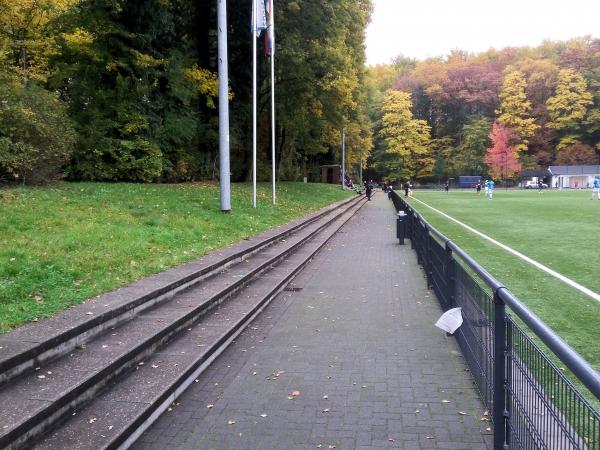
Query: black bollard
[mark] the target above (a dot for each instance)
(401, 227)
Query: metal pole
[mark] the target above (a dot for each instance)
(254, 23)
(360, 168)
(343, 158)
(272, 30)
(225, 182)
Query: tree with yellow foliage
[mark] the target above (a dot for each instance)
(515, 109)
(568, 107)
(407, 153)
(26, 33)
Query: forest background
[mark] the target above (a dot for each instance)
(126, 91)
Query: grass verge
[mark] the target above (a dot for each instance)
(64, 244)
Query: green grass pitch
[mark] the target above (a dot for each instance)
(560, 229)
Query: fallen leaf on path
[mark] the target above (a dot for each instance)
(462, 413)
(231, 422)
(326, 410)
(210, 406)
(92, 420)
(295, 393)
(445, 401)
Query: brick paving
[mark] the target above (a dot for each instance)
(357, 341)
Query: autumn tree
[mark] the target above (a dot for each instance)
(321, 86)
(501, 157)
(26, 27)
(128, 73)
(514, 111)
(36, 135)
(406, 153)
(577, 154)
(568, 107)
(475, 139)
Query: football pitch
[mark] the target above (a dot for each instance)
(559, 229)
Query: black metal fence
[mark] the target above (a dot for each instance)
(534, 403)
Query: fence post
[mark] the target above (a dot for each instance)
(450, 277)
(409, 226)
(509, 381)
(429, 259)
(499, 395)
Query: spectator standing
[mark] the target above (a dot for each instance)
(368, 191)
(447, 186)
(406, 188)
(478, 187)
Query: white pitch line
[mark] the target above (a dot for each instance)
(533, 262)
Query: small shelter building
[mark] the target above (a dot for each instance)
(331, 174)
(573, 177)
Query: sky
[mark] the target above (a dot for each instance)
(426, 28)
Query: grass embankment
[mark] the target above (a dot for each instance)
(556, 228)
(64, 244)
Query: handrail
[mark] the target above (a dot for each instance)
(584, 372)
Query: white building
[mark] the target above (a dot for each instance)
(574, 177)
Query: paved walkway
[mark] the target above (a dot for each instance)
(349, 360)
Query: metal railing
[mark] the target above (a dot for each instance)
(534, 403)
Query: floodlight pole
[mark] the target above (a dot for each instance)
(225, 181)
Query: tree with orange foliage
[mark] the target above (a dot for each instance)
(501, 156)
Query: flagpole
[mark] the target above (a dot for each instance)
(225, 186)
(272, 31)
(254, 94)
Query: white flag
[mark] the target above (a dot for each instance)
(261, 17)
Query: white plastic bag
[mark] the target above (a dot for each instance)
(450, 320)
